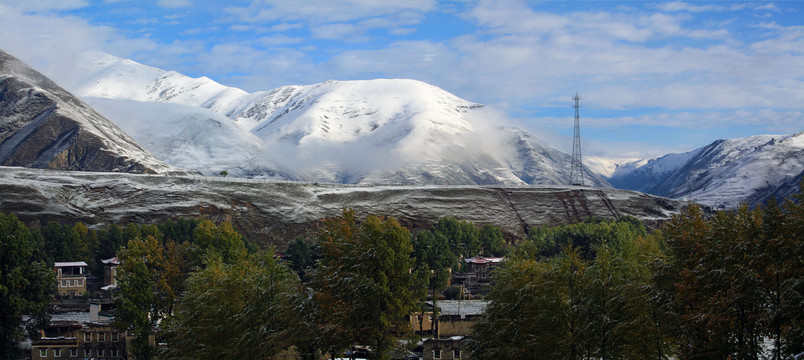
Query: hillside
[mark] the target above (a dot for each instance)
(44, 126)
(276, 212)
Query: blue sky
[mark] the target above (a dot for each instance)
(655, 76)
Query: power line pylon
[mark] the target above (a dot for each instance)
(576, 170)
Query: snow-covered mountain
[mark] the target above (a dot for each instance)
(385, 130)
(723, 173)
(44, 126)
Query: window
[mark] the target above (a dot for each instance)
(102, 352)
(115, 336)
(74, 352)
(57, 352)
(456, 354)
(79, 283)
(101, 336)
(436, 354)
(87, 352)
(64, 283)
(42, 352)
(87, 337)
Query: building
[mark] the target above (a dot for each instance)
(110, 273)
(74, 340)
(455, 347)
(455, 318)
(71, 278)
(481, 268)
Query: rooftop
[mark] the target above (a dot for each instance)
(70, 263)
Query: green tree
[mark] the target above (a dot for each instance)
(568, 306)
(216, 240)
(492, 241)
(146, 295)
(363, 283)
(301, 256)
(243, 310)
(26, 284)
(434, 259)
(462, 236)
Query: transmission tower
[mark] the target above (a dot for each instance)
(576, 171)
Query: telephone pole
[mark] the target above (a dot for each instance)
(576, 170)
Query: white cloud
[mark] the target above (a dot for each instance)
(43, 5)
(324, 11)
(174, 3)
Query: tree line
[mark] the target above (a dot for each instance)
(729, 285)
(725, 286)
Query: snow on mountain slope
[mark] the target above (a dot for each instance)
(723, 173)
(189, 137)
(385, 130)
(44, 126)
(106, 76)
(643, 175)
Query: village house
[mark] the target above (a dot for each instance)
(481, 268)
(455, 347)
(71, 278)
(74, 340)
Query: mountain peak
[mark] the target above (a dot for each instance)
(44, 126)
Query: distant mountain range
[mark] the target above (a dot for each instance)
(723, 173)
(374, 131)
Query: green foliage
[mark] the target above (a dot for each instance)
(586, 237)
(26, 284)
(224, 173)
(242, 310)
(146, 296)
(571, 306)
(492, 241)
(462, 236)
(363, 284)
(733, 280)
(211, 240)
(301, 256)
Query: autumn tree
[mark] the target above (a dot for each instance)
(26, 284)
(363, 283)
(145, 292)
(242, 310)
(588, 301)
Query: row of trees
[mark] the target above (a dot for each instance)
(729, 285)
(213, 298)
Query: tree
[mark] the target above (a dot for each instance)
(363, 283)
(243, 310)
(568, 306)
(145, 292)
(301, 256)
(221, 240)
(492, 241)
(224, 173)
(26, 284)
(434, 258)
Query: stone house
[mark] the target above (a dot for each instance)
(71, 278)
(74, 340)
(455, 347)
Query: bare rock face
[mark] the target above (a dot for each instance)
(44, 126)
(276, 212)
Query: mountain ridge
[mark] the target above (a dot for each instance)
(381, 130)
(44, 126)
